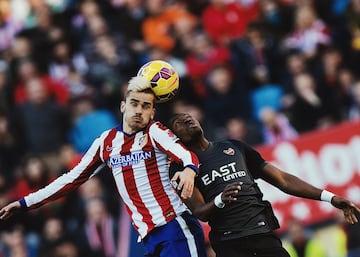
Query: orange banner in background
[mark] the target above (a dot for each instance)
(328, 159)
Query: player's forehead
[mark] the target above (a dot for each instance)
(182, 117)
(140, 97)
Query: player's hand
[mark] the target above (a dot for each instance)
(230, 191)
(186, 182)
(9, 210)
(349, 209)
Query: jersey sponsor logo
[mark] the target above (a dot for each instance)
(129, 159)
(229, 151)
(226, 172)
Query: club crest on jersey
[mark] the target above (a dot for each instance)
(128, 159)
(229, 151)
(143, 140)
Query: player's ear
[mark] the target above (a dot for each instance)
(122, 106)
(152, 113)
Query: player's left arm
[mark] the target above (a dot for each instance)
(293, 185)
(204, 210)
(170, 144)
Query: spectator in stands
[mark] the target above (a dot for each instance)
(202, 57)
(276, 16)
(276, 127)
(35, 175)
(15, 242)
(309, 111)
(100, 233)
(309, 32)
(225, 21)
(88, 122)
(110, 67)
(129, 19)
(52, 232)
(256, 56)
(240, 129)
(66, 248)
(295, 64)
(164, 19)
(300, 243)
(42, 34)
(27, 71)
(65, 61)
(41, 123)
(222, 91)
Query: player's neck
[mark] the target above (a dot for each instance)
(201, 145)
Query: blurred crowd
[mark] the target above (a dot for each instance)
(262, 71)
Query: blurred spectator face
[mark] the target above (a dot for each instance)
(61, 51)
(14, 238)
(43, 17)
(21, 47)
(27, 70)
(296, 232)
(200, 44)
(218, 3)
(36, 91)
(296, 63)
(154, 7)
(66, 249)
(220, 80)
(268, 6)
(332, 58)
(305, 17)
(91, 189)
(236, 129)
(268, 117)
(105, 46)
(89, 9)
(97, 26)
(3, 127)
(304, 84)
(356, 92)
(53, 229)
(34, 170)
(355, 4)
(133, 4)
(96, 210)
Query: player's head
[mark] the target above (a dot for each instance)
(138, 106)
(186, 128)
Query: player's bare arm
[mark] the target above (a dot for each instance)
(293, 185)
(9, 210)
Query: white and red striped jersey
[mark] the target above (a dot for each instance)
(140, 165)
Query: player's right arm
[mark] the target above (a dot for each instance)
(87, 167)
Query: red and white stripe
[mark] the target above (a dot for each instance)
(144, 186)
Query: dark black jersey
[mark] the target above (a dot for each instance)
(227, 162)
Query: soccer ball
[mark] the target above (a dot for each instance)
(163, 78)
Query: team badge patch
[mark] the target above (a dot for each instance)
(143, 140)
(229, 151)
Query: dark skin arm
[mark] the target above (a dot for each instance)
(293, 185)
(203, 210)
(286, 182)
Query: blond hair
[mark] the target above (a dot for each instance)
(138, 84)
